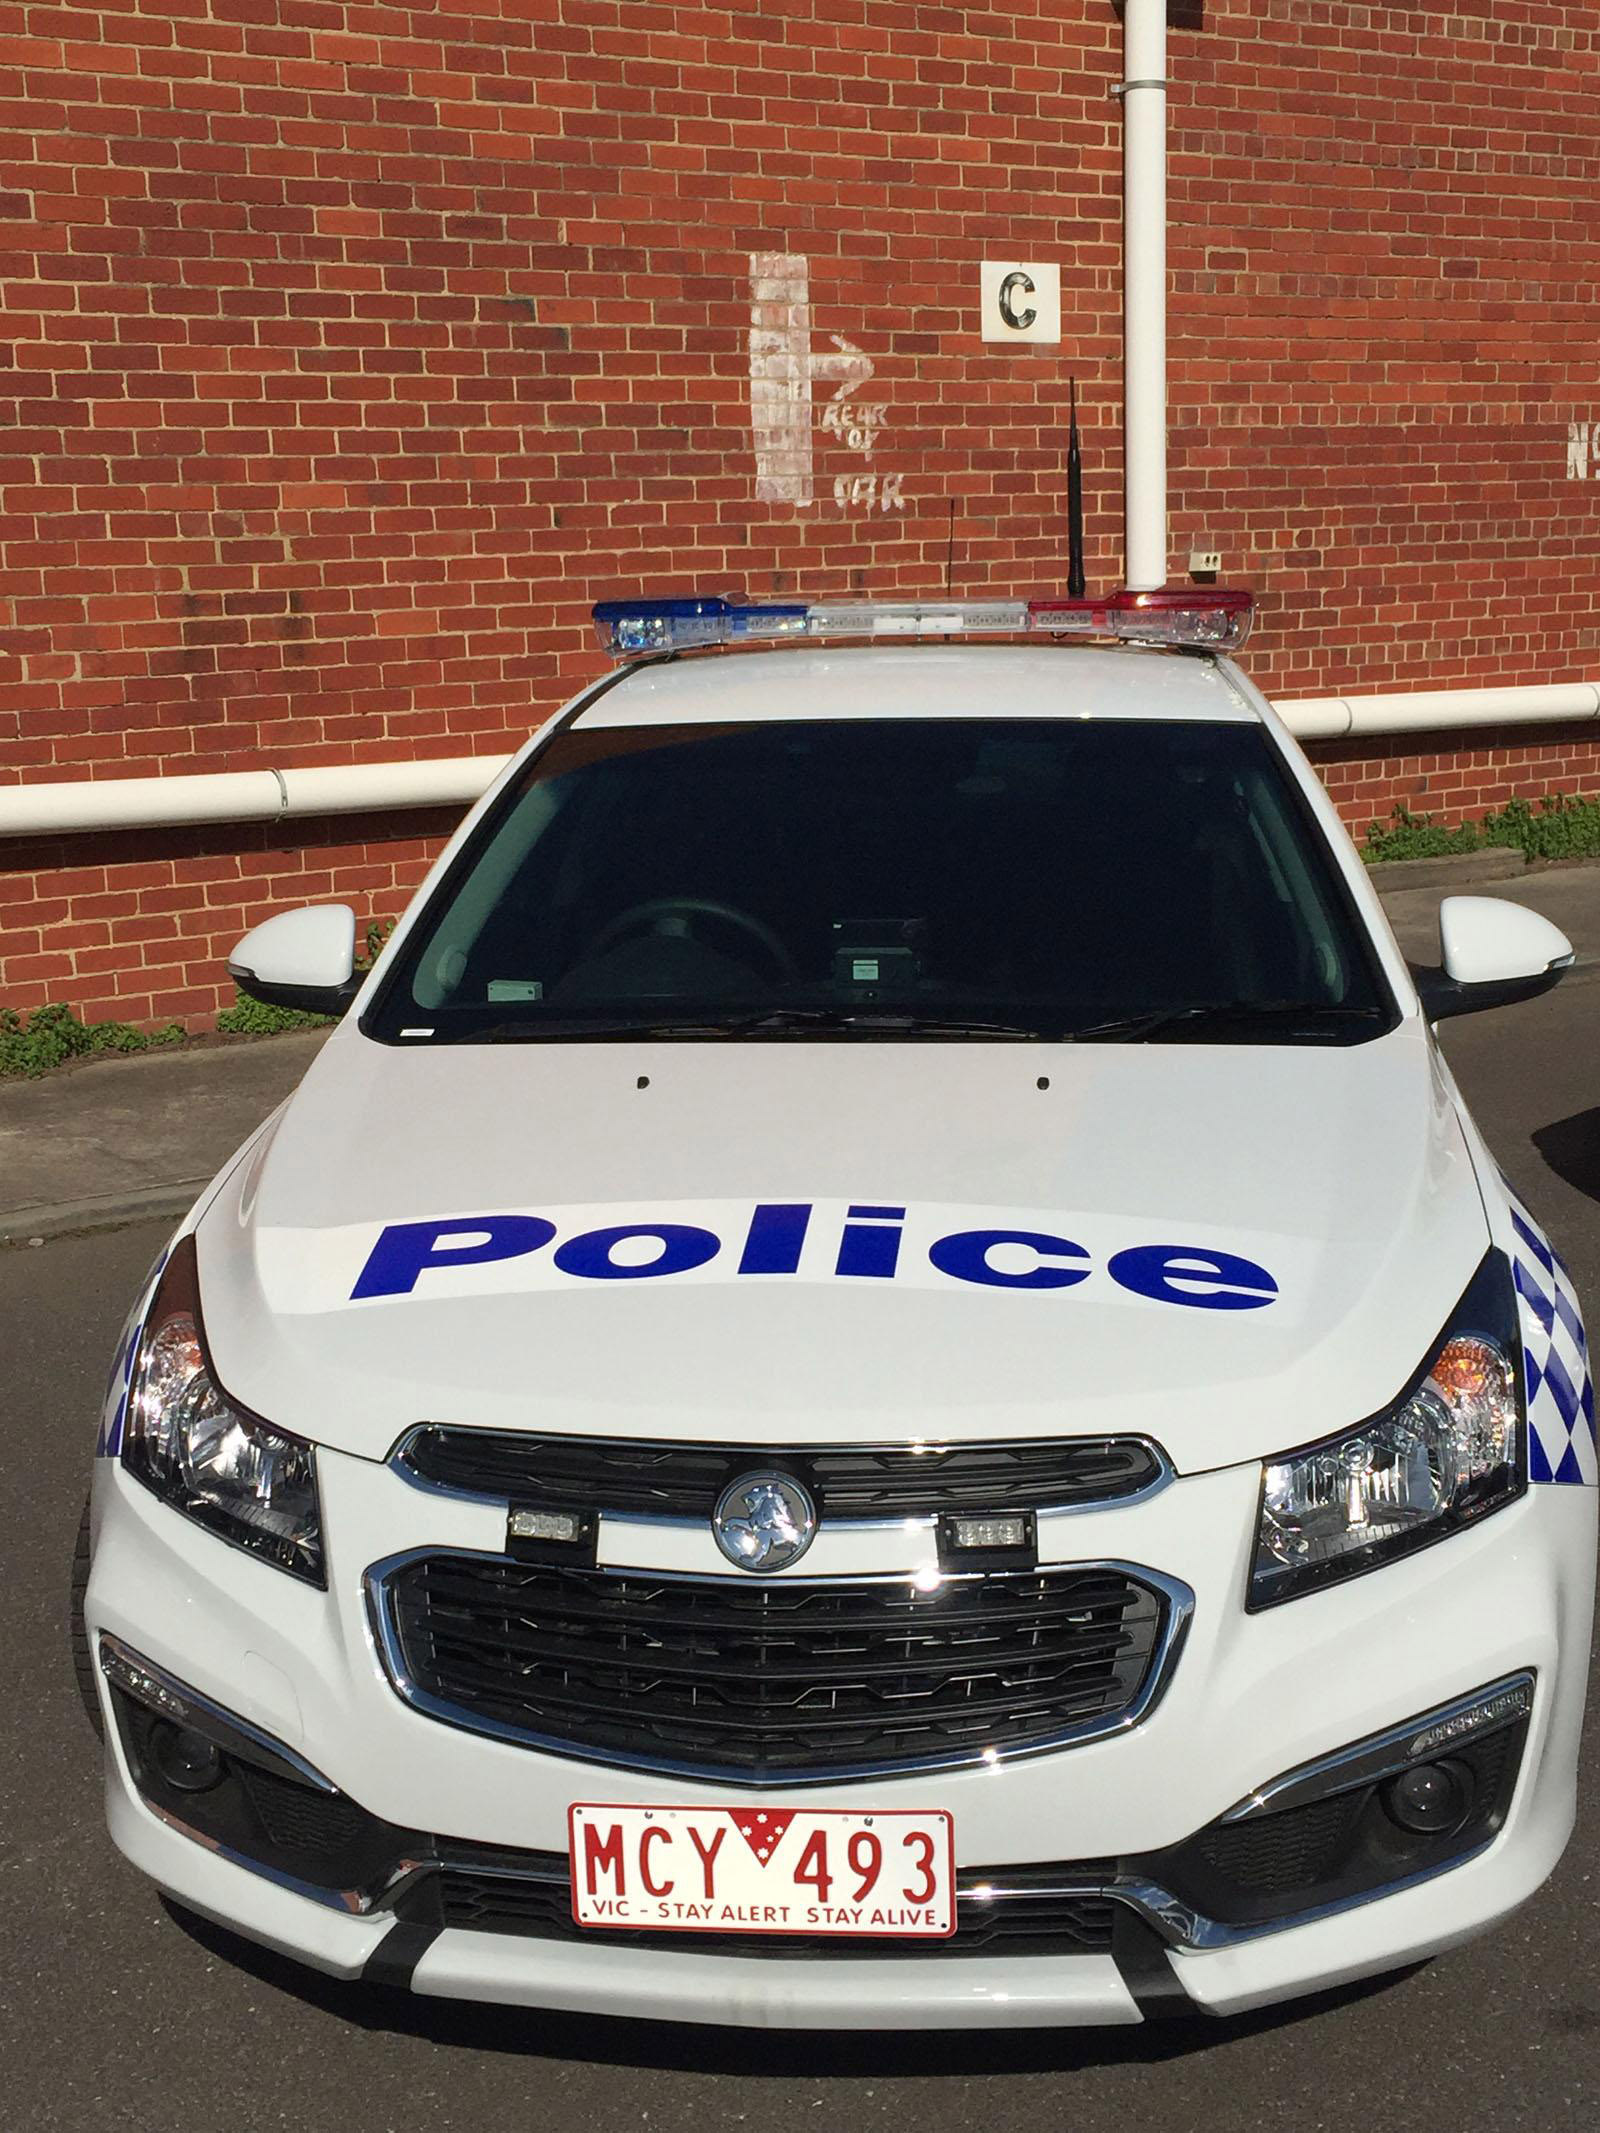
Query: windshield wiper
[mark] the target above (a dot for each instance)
(885, 1022)
(1280, 1021)
(761, 1022)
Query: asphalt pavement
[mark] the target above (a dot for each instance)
(118, 2012)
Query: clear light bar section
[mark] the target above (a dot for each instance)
(918, 618)
(1219, 617)
(1215, 618)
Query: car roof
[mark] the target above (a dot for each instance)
(923, 681)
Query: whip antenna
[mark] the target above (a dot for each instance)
(1077, 585)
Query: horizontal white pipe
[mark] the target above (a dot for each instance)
(359, 788)
(243, 795)
(428, 783)
(1332, 718)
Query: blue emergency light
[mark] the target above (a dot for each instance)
(1218, 618)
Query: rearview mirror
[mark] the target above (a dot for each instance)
(303, 959)
(1493, 953)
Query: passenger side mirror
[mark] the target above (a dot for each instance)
(1493, 953)
(303, 959)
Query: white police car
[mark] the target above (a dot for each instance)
(877, 1381)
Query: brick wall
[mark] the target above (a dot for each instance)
(1455, 777)
(138, 927)
(353, 350)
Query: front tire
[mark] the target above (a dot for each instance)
(82, 1656)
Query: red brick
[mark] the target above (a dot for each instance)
(357, 350)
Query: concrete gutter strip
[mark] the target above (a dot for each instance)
(1452, 872)
(70, 1218)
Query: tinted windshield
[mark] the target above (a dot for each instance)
(904, 876)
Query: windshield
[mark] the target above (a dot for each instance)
(1099, 879)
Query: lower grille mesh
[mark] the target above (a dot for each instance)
(1018, 1921)
(774, 1681)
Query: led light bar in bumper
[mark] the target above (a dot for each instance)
(1217, 618)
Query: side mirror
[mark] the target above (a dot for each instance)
(1493, 953)
(302, 959)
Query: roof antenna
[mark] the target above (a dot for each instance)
(1077, 584)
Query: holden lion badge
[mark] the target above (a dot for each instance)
(764, 1521)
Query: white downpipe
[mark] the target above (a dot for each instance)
(1144, 302)
(1333, 718)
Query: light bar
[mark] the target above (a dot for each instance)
(1217, 618)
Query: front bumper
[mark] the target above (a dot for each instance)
(1251, 1698)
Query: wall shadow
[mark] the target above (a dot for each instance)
(1181, 14)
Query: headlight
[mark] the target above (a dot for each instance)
(226, 1468)
(1449, 1451)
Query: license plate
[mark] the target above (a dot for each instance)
(812, 1870)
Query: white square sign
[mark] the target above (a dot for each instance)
(1020, 302)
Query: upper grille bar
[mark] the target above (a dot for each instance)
(676, 1480)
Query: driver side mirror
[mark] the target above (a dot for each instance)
(1493, 953)
(303, 959)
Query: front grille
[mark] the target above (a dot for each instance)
(775, 1681)
(685, 1480)
(529, 1894)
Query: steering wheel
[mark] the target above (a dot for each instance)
(673, 914)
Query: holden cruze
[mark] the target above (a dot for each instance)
(877, 1380)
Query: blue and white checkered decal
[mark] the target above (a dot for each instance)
(1555, 1350)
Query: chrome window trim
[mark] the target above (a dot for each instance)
(1164, 1475)
(1179, 1599)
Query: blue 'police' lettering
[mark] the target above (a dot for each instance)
(965, 1257)
(1207, 1281)
(682, 1247)
(407, 1249)
(870, 1249)
(776, 1239)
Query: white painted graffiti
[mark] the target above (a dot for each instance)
(784, 370)
(855, 423)
(1582, 439)
(863, 492)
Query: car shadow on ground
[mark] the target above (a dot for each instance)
(683, 2047)
(1571, 1147)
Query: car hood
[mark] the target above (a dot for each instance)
(1228, 1250)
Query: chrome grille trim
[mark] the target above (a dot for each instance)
(1177, 1612)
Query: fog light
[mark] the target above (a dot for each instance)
(1432, 1800)
(545, 1525)
(184, 1759)
(967, 1533)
